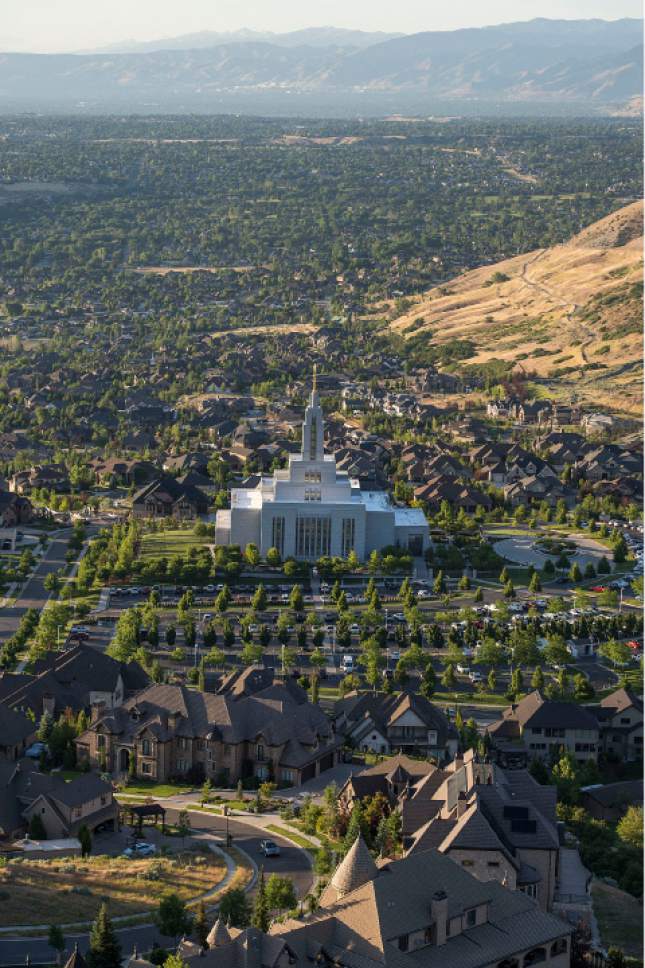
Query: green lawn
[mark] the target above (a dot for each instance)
(620, 918)
(292, 835)
(156, 789)
(165, 544)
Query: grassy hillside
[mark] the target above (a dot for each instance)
(572, 313)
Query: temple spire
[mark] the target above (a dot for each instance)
(314, 386)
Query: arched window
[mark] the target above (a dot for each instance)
(535, 957)
(559, 947)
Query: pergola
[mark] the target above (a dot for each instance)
(139, 812)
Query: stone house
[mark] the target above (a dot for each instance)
(172, 731)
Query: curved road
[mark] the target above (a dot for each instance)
(293, 862)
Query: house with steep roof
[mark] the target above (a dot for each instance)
(17, 732)
(64, 807)
(170, 732)
(404, 721)
(620, 716)
(166, 497)
(391, 777)
(500, 825)
(76, 679)
(539, 727)
(423, 911)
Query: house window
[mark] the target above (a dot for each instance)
(145, 747)
(146, 767)
(403, 942)
(471, 917)
(288, 776)
(493, 863)
(100, 741)
(624, 720)
(260, 752)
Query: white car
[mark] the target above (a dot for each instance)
(475, 677)
(464, 669)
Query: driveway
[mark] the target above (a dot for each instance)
(293, 862)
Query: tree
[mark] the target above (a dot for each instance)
(259, 600)
(565, 777)
(618, 653)
(509, 589)
(504, 576)
(630, 827)
(491, 681)
(537, 679)
(448, 678)
(583, 691)
(252, 555)
(261, 916)
(574, 572)
(56, 940)
(207, 789)
(296, 601)
(615, 958)
(535, 585)
(479, 594)
(620, 549)
(280, 893)
(183, 825)
(604, 568)
(273, 558)
(105, 950)
(85, 839)
(234, 907)
(489, 652)
(428, 682)
(556, 652)
(171, 635)
(200, 925)
(173, 960)
(172, 918)
(37, 828)
(439, 585)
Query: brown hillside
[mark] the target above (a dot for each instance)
(571, 313)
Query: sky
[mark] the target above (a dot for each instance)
(69, 25)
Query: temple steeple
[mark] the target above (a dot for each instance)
(313, 427)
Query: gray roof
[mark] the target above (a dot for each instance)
(15, 727)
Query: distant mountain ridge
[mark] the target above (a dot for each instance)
(588, 64)
(311, 37)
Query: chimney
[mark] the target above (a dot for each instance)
(462, 804)
(96, 711)
(439, 915)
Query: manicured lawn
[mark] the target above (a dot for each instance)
(620, 918)
(72, 889)
(156, 789)
(166, 544)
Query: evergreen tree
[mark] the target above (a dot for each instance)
(535, 585)
(105, 950)
(479, 594)
(85, 839)
(355, 827)
(172, 917)
(200, 925)
(261, 917)
(537, 679)
(37, 828)
(428, 682)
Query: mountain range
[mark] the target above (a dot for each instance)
(584, 65)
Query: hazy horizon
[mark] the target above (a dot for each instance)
(36, 26)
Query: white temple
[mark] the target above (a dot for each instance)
(311, 509)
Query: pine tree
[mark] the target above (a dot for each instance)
(355, 827)
(105, 950)
(200, 925)
(85, 839)
(37, 828)
(261, 918)
(537, 680)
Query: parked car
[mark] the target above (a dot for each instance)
(269, 848)
(141, 849)
(35, 751)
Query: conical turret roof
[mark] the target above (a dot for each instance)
(356, 869)
(218, 934)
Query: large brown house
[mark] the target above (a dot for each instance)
(173, 732)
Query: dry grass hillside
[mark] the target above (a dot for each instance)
(571, 313)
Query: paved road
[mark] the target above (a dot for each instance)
(293, 862)
(34, 594)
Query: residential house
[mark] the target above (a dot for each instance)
(620, 716)
(167, 497)
(404, 721)
(392, 777)
(537, 727)
(51, 477)
(64, 807)
(75, 679)
(171, 731)
(14, 509)
(610, 801)
(499, 825)
(17, 732)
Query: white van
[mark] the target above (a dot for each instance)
(347, 663)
